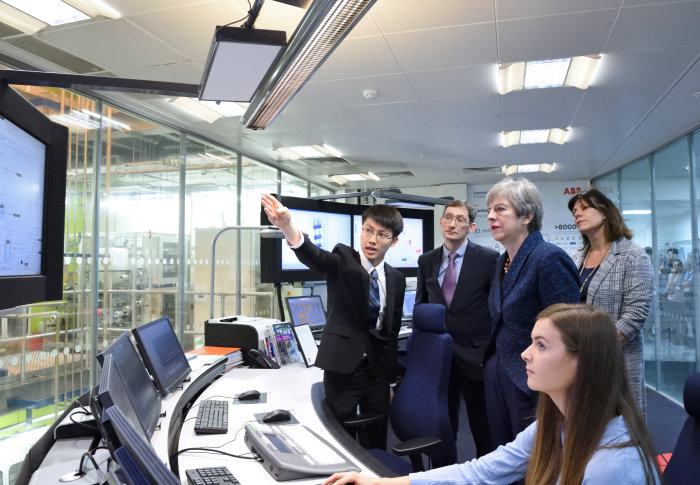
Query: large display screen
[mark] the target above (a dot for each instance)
(22, 166)
(407, 250)
(324, 229)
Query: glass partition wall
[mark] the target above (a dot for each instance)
(157, 197)
(658, 196)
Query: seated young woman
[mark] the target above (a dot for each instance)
(588, 428)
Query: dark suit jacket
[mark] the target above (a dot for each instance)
(347, 335)
(467, 318)
(540, 275)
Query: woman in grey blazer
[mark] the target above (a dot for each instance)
(616, 276)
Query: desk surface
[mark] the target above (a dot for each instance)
(287, 388)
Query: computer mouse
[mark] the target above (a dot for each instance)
(276, 416)
(249, 395)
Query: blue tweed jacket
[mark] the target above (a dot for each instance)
(540, 275)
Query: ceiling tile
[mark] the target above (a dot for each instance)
(656, 27)
(365, 56)
(117, 44)
(540, 108)
(514, 9)
(458, 82)
(393, 88)
(554, 36)
(394, 16)
(445, 48)
(181, 72)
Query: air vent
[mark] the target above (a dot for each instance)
(482, 170)
(405, 173)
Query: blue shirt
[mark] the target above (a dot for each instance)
(618, 466)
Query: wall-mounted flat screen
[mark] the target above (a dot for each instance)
(33, 156)
(162, 354)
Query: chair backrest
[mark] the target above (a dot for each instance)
(685, 461)
(419, 408)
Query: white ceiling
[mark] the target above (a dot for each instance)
(433, 64)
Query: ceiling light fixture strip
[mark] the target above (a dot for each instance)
(320, 31)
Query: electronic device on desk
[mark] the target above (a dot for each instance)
(244, 332)
(139, 386)
(305, 310)
(212, 417)
(162, 354)
(409, 301)
(293, 451)
(210, 476)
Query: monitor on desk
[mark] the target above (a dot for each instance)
(162, 354)
(138, 461)
(139, 385)
(306, 310)
(113, 393)
(409, 300)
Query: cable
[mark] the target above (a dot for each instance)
(83, 425)
(214, 450)
(250, 7)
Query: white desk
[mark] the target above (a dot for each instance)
(287, 388)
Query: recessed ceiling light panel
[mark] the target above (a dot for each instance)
(549, 73)
(52, 12)
(533, 136)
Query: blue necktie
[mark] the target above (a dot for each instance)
(374, 302)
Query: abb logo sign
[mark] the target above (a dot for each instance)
(572, 190)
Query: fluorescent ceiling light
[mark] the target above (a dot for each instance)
(287, 153)
(533, 136)
(324, 26)
(549, 73)
(228, 110)
(52, 12)
(581, 71)
(511, 77)
(238, 60)
(636, 212)
(195, 108)
(20, 20)
(558, 136)
(354, 177)
(308, 151)
(95, 8)
(524, 137)
(371, 176)
(529, 168)
(510, 138)
(339, 179)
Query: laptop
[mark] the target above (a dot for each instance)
(306, 310)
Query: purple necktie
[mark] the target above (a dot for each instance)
(449, 281)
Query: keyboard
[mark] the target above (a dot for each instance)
(210, 476)
(212, 417)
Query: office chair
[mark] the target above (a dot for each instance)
(419, 414)
(685, 461)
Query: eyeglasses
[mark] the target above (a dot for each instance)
(460, 221)
(381, 235)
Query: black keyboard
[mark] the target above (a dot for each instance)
(210, 476)
(212, 417)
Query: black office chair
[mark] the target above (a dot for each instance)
(685, 461)
(419, 414)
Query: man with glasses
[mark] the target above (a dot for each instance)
(458, 275)
(365, 301)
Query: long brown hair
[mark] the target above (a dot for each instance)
(598, 394)
(613, 223)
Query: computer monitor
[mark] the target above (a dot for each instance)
(113, 393)
(162, 354)
(306, 310)
(138, 461)
(409, 300)
(138, 383)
